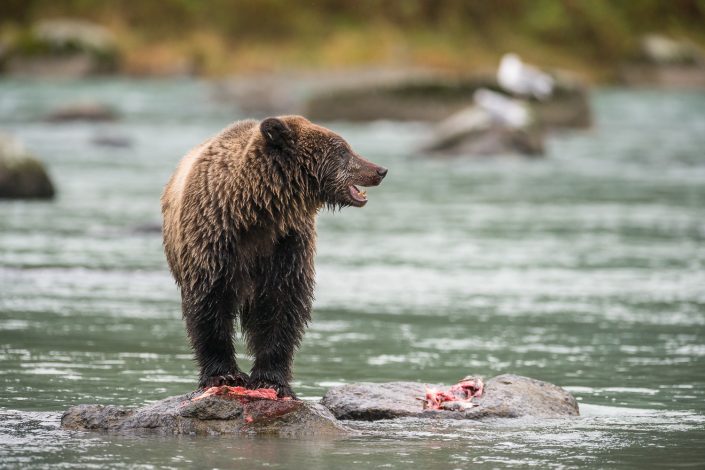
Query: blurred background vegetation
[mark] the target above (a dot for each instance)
(219, 37)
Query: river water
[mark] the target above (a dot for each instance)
(585, 269)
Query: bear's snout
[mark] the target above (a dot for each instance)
(368, 173)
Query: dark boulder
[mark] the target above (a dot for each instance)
(21, 175)
(210, 415)
(504, 396)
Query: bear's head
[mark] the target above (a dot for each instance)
(331, 171)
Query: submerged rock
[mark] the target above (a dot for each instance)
(22, 176)
(88, 111)
(504, 396)
(147, 228)
(111, 140)
(209, 415)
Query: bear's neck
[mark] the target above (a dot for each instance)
(275, 192)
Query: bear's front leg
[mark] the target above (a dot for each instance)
(209, 312)
(281, 307)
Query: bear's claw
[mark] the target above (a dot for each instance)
(238, 379)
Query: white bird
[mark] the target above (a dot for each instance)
(501, 109)
(522, 79)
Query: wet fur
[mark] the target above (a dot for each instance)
(239, 237)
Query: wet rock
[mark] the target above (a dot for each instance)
(495, 125)
(22, 176)
(95, 112)
(111, 140)
(505, 396)
(68, 48)
(147, 228)
(568, 107)
(210, 415)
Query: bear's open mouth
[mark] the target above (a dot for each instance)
(359, 197)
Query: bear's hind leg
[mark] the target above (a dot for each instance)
(209, 314)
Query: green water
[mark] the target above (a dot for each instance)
(585, 269)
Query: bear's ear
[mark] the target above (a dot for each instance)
(276, 133)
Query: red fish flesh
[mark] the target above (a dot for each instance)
(457, 398)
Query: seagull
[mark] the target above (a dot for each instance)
(501, 109)
(522, 79)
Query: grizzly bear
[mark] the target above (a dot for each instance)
(239, 236)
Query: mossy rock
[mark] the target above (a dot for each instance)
(21, 175)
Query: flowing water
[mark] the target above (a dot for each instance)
(585, 269)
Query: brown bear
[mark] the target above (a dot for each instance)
(239, 236)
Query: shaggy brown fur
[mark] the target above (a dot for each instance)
(239, 237)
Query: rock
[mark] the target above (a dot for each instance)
(82, 112)
(211, 415)
(434, 98)
(415, 98)
(62, 48)
(22, 176)
(664, 62)
(111, 140)
(488, 129)
(568, 107)
(147, 228)
(266, 94)
(505, 396)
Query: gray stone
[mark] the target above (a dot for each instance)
(211, 415)
(475, 132)
(433, 98)
(94, 112)
(22, 176)
(111, 140)
(266, 94)
(411, 98)
(505, 396)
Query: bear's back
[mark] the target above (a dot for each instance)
(231, 141)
